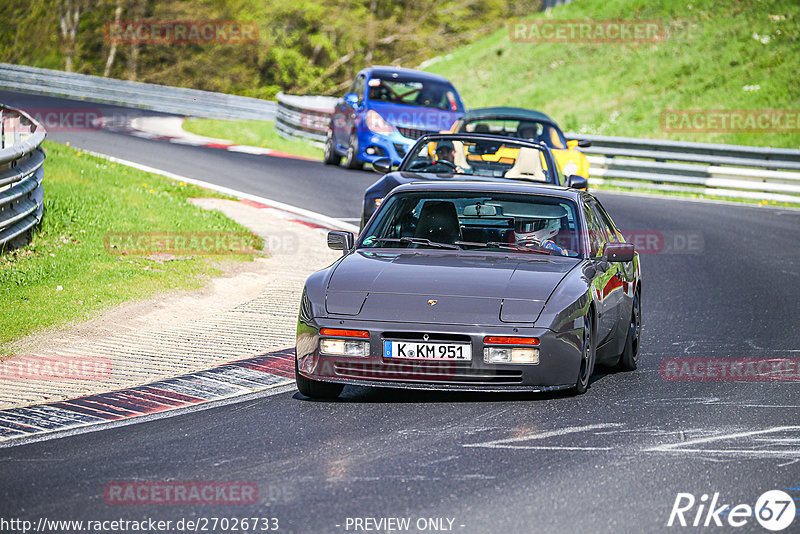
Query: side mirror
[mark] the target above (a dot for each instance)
(382, 165)
(618, 252)
(338, 240)
(576, 181)
(572, 143)
(584, 143)
(351, 99)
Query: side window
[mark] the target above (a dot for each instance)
(613, 231)
(597, 236)
(605, 220)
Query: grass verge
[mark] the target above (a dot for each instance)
(252, 133)
(65, 273)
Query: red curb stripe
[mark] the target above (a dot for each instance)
(179, 397)
(100, 405)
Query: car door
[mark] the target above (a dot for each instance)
(345, 114)
(615, 282)
(626, 272)
(604, 279)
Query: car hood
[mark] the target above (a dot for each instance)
(429, 119)
(429, 286)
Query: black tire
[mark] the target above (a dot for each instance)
(589, 356)
(351, 160)
(630, 354)
(315, 389)
(331, 157)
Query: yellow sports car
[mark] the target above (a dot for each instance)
(527, 124)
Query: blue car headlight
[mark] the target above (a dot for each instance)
(377, 124)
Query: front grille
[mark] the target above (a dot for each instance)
(425, 371)
(412, 133)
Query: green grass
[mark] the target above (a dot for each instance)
(713, 58)
(86, 198)
(253, 133)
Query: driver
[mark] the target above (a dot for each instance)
(446, 152)
(525, 234)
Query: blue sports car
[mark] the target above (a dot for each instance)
(385, 111)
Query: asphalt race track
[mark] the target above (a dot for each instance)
(720, 281)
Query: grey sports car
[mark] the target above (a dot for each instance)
(474, 286)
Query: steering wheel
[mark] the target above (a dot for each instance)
(445, 162)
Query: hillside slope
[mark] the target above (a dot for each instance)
(723, 54)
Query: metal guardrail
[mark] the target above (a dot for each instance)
(306, 117)
(725, 170)
(21, 174)
(162, 98)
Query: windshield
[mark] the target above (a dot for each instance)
(498, 158)
(413, 92)
(516, 222)
(519, 128)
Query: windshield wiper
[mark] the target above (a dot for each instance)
(415, 241)
(508, 246)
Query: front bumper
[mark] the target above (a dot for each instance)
(393, 146)
(559, 359)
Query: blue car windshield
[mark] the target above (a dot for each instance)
(477, 220)
(414, 92)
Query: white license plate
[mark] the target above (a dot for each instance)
(412, 350)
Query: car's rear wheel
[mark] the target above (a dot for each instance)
(314, 388)
(588, 357)
(331, 157)
(630, 355)
(351, 161)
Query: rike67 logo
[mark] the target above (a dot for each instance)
(774, 510)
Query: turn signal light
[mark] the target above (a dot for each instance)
(337, 332)
(505, 340)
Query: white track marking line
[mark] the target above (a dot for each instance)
(686, 446)
(504, 443)
(302, 212)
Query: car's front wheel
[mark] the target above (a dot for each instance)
(630, 355)
(314, 388)
(331, 157)
(351, 161)
(588, 357)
